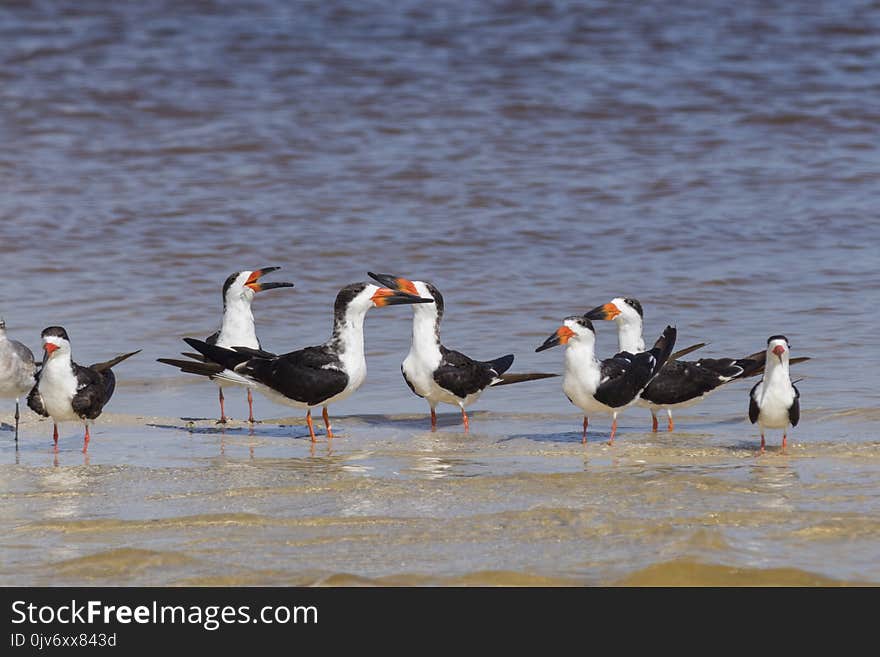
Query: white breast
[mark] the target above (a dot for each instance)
(57, 387)
(581, 379)
(773, 404)
(419, 370)
(355, 365)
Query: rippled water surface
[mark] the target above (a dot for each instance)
(717, 161)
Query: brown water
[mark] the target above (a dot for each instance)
(719, 162)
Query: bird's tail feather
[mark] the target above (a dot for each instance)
(506, 379)
(102, 367)
(228, 358)
(203, 368)
(684, 352)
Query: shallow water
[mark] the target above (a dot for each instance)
(533, 160)
(518, 501)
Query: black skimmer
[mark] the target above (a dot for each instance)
(68, 391)
(436, 373)
(774, 401)
(314, 376)
(610, 385)
(17, 371)
(236, 330)
(680, 383)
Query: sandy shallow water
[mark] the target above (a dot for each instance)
(165, 501)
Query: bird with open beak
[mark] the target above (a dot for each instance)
(610, 385)
(774, 401)
(314, 376)
(438, 374)
(236, 330)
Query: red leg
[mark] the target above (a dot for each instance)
(671, 424)
(433, 419)
(784, 441)
(222, 419)
(613, 431)
(653, 422)
(464, 417)
(327, 423)
(86, 441)
(311, 426)
(586, 424)
(250, 406)
(55, 435)
(762, 442)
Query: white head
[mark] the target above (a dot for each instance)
(576, 329)
(241, 286)
(627, 314)
(416, 288)
(621, 310)
(56, 344)
(778, 349)
(358, 298)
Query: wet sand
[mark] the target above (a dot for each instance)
(519, 501)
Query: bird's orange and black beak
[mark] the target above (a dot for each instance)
(561, 336)
(605, 311)
(48, 349)
(397, 283)
(254, 284)
(387, 297)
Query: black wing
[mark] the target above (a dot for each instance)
(794, 413)
(751, 365)
(35, 400)
(94, 390)
(753, 404)
(463, 376)
(623, 376)
(309, 376)
(680, 381)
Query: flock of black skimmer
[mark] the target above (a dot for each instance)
(657, 378)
